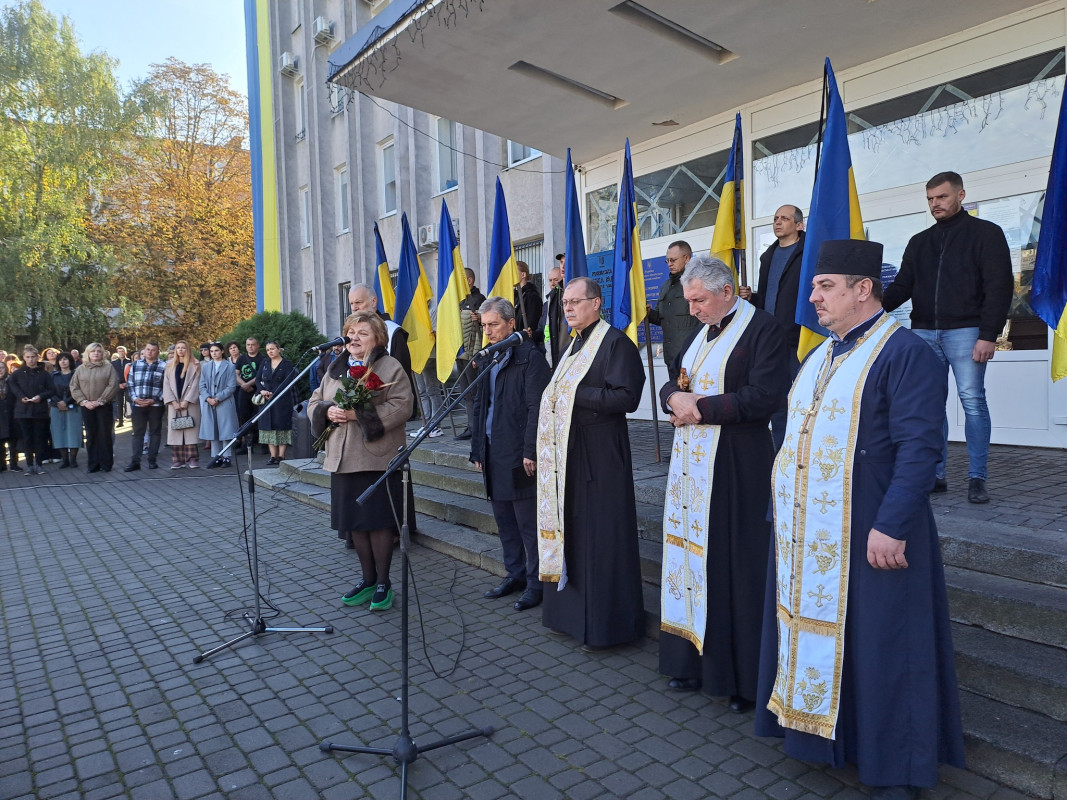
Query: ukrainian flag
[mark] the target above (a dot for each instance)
(451, 290)
(628, 279)
(834, 212)
(413, 301)
(575, 266)
(383, 285)
(1048, 297)
(728, 240)
(503, 273)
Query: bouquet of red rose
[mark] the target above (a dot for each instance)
(358, 387)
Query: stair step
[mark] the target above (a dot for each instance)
(1014, 746)
(1035, 556)
(1025, 674)
(308, 493)
(305, 470)
(1030, 611)
(468, 484)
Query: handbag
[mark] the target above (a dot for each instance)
(258, 399)
(181, 423)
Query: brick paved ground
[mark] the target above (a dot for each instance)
(111, 584)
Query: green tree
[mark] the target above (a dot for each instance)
(294, 332)
(179, 219)
(63, 125)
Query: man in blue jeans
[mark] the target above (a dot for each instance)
(958, 276)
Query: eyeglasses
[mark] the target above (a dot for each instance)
(670, 260)
(573, 303)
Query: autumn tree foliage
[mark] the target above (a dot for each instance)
(63, 126)
(180, 220)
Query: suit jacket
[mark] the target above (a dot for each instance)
(785, 304)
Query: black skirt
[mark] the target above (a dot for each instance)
(376, 514)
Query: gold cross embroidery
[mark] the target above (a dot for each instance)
(699, 453)
(677, 448)
(674, 520)
(818, 597)
(798, 408)
(823, 502)
(782, 493)
(833, 410)
(696, 527)
(706, 382)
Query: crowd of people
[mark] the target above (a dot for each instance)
(55, 403)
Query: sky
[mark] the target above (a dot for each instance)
(138, 33)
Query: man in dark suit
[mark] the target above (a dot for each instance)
(504, 448)
(779, 283)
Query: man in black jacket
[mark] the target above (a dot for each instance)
(672, 310)
(957, 273)
(472, 340)
(779, 283)
(504, 448)
(32, 388)
(527, 302)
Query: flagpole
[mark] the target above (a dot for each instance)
(652, 386)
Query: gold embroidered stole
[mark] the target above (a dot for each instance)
(687, 508)
(553, 435)
(812, 485)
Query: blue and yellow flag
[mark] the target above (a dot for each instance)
(451, 290)
(834, 212)
(503, 273)
(413, 301)
(1048, 297)
(383, 285)
(575, 265)
(728, 240)
(628, 278)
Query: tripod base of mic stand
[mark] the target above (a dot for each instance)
(405, 751)
(257, 626)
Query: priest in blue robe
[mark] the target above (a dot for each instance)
(857, 661)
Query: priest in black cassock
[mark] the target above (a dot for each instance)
(857, 661)
(586, 511)
(716, 533)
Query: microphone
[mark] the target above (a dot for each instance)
(340, 340)
(514, 340)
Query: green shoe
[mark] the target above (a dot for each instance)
(386, 601)
(360, 594)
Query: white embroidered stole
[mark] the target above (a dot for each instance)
(687, 508)
(553, 435)
(812, 486)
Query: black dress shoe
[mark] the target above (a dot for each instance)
(464, 435)
(94, 469)
(976, 492)
(531, 598)
(740, 705)
(132, 467)
(153, 465)
(940, 485)
(683, 684)
(506, 587)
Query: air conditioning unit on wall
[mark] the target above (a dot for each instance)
(428, 235)
(287, 64)
(322, 30)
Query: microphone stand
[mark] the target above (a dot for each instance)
(256, 624)
(405, 751)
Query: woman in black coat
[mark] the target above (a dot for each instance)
(276, 426)
(8, 435)
(33, 388)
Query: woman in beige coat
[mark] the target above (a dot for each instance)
(358, 452)
(93, 386)
(181, 395)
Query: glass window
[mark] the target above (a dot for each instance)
(388, 177)
(342, 199)
(996, 117)
(301, 111)
(517, 153)
(305, 217)
(309, 306)
(343, 289)
(337, 98)
(532, 254)
(669, 201)
(447, 160)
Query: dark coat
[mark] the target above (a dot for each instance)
(7, 411)
(516, 403)
(558, 331)
(528, 313)
(672, 315)
(602, 604)
(26, 382)
(756, 383)
(899, 715)
(268, 379)
(785, 304)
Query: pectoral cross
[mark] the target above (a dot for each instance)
(706, 382)
(819, 597)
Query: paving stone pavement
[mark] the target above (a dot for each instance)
(111, 584)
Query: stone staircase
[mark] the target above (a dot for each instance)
(1007, 594)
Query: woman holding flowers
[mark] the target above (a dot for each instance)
(359, 412)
